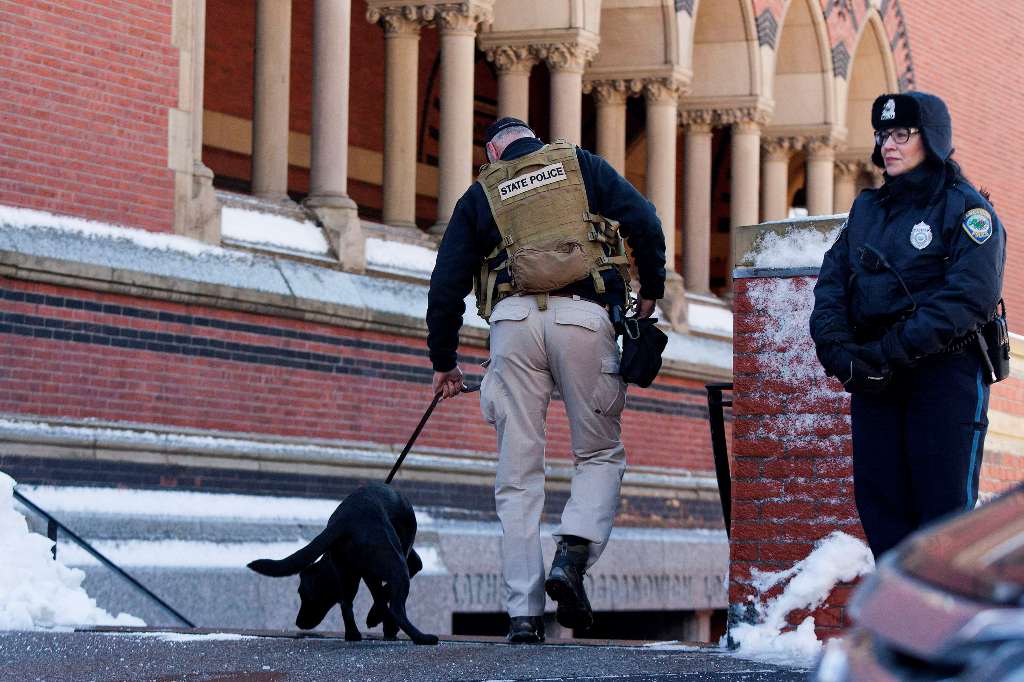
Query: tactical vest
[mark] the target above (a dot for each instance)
(548, 234)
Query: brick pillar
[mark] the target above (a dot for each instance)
(792, 474)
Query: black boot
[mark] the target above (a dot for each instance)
(526, 630)
(565, 585)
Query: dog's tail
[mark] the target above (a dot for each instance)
(294, 563)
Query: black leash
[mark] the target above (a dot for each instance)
(419, 427)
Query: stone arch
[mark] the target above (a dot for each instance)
(872, 72)
(801, 82)
(720, 48)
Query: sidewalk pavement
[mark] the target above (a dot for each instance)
(148, 654)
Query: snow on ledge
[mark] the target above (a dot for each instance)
(259, 227)
(799, 245)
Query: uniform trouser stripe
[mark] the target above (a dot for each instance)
(974, 444)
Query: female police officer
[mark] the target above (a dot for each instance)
(901, 294)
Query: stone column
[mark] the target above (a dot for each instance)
(697, 200)
(746, 172)
(196, 209)
(514, 64)
(455, 160)
(270, 99)
(610, 98)
(775, 177)
(661, 96)
(328, 172)
(401, 55)
(566, 62)
(846, 173)
(821, 156)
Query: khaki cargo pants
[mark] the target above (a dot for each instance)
(571, 346)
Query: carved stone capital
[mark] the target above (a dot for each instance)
(463, 17)
(746, 118)
(697, 120)
(780, 148)
(572, 56)
(511, 59)
(848, 168)
(614, 91)
(821, 148)
(400, 19)
(662, 90)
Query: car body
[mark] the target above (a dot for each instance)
(946, 604)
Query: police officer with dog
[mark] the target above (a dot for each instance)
(541, 239)
(902, 304)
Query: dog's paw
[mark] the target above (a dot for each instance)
(353, 636)
(426, 639)
(374, 617)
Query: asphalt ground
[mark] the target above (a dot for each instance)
(142, 655)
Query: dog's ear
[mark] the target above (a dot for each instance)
(317, 592)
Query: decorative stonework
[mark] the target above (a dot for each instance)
(821, 147)
(779, 148)
(660, 90)
(569, 56)
(747, 118)
(614, 91)
(400, 19)
(840, 60)
(461, 18)
(697, 119)
(511, 58)
(767, 29)
(685, 6)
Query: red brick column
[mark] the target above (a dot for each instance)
(792, 468)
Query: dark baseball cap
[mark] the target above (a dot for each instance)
(502, 124)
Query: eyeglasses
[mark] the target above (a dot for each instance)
(899, 135)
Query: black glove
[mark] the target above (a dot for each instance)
(892, 349)
(846, 362)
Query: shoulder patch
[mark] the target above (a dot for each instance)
(977, 223)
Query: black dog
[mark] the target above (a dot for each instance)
(368, 537)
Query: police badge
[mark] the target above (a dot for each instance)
(978, 225)
(921, 235)
(889, 111)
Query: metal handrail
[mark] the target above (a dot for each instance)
(52, 525)
(716, 421)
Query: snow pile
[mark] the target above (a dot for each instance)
(835, 559)
(272, 229)
(36, 591)
(794, 248)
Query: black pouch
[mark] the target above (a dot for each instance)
(994, 342)
(642, 345)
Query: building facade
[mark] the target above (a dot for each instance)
(266, 183)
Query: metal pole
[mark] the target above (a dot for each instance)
(720, 448)
(52, 522)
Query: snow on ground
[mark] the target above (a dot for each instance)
(699, 351)
(672, 645)
(835, 559)
(37, 592)
(176, 637)
(259, 227)
(796, 248)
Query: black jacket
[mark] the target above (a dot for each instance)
(472, 234)
(949, 287)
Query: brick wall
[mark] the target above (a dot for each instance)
(792, 453)
(84, 93)
(78, 354)
(984, 89)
